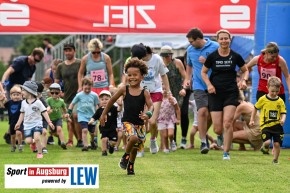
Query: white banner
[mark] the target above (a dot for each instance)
(51, 176)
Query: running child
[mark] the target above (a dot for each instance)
(87, 103)
(13, 106)
(30, 114)
(134, 99)
(272, 117)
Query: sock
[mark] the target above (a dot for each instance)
(203, 140)
(153, 138)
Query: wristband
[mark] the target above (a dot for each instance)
(149, 114)
(69, 111)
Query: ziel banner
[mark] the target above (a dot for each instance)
(126, 16)
(51, 176)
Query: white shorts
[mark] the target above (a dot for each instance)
(163, 126)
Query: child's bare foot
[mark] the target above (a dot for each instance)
(190, 147)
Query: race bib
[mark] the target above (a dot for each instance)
(266, 73)
(98, 75)
(150, 86)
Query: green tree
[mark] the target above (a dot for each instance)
(2, 68)
(29, 42)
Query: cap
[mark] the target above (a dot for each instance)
(105, 92)
(165, 51)
(30, 87)
(39, 87)
(69, 45)
(55, 86)
(139, 51)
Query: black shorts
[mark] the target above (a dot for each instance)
(85, 125)
(217, 102)
(13, 131)
(111, 134)
(275, 132)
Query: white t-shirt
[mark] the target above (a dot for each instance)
(156, 68)
(32, 114)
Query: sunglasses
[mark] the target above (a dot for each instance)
(273, 52)
(56, 93)
(96, 52)
(36, 60)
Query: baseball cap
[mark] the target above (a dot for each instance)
(55, 86)
(69, 46)
(138, 50)
(165, 51)
(105, 92)
(30, 87)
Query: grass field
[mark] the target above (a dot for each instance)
(181, 171)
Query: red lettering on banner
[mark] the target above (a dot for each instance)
(53, 171)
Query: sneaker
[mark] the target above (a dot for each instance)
(124, 161)
(33, 147)
(80, 143)
(203, 148)
(264, 151)
(39, 155)
(140, 153)
(13, 148)
(85, 148)
(275, 161)
(153, 146)
(226, 156)
(93, 145)
(96, 139)
(173, 146)
(220, 140)
(116, 148)
(69, 143)
(166, 151)
(111, 149)
(63, 146)
(50, 140)
(44, 150)
(183, 144)
(104, 153)
(58, 141)
(130, 169)
(20, 148)
(7, 138)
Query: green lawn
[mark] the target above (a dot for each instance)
(180, 171)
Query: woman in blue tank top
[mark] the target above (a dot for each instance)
(98, 66)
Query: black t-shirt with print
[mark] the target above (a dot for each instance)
(223, 75)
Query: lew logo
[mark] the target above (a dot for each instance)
(235, 16)
(12, 14)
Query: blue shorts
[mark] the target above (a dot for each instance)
(85, 125)
(30, 132)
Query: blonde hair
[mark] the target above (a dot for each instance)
(274, 81)
(223, 31)
(15, 88)
(94, 43)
